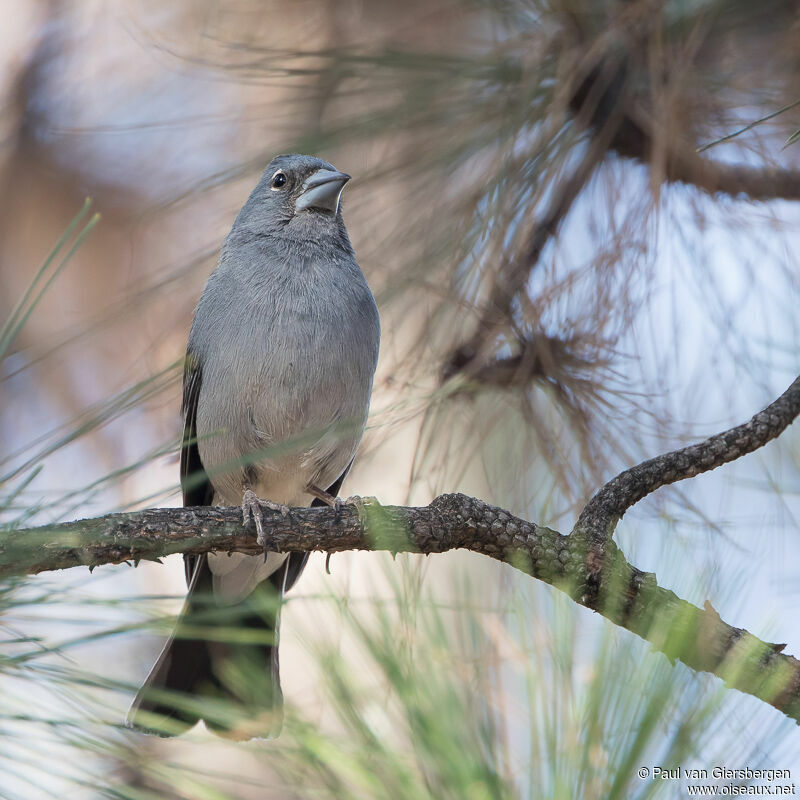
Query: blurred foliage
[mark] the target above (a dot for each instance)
(450, 700)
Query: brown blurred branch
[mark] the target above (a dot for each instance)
(682, 164)
(538, 357)
(604, 104)
(587, 564)
(605, 94)
(469, 357)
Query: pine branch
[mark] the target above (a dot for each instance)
(623, 594)
(605, 96)
(587, 564)
(512, 276)
(602, 513)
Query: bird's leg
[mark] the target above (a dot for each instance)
(336, 503)
(329, 500)
(321, 494)
(251, 504)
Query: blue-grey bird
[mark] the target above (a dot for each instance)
(276, 391)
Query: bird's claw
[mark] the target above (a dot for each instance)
(254, 505)
(356, 500)
(338, 505)
(360, 503)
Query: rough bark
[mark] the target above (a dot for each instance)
(623, 594)
(587, 564)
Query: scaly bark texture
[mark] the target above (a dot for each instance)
(587, 564)
(623, 594)
(601, 514)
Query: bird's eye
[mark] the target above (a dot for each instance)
(278, 180)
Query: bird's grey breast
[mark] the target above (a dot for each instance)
(287, 340)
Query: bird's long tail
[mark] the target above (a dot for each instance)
(220, 665)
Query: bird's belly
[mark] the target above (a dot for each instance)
(293, 408)
(275, 436)
(235, 575)
(285, 486)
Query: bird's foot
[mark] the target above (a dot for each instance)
(252, 504)
(358, 501)
(337, 504)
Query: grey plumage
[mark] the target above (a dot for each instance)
(279, 371)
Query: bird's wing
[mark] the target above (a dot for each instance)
(195, 483)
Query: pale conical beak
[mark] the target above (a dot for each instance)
(322, 190)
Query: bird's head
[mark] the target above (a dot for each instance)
(298, 197)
